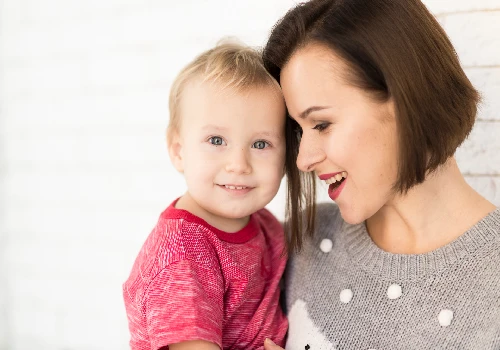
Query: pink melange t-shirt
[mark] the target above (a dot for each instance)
(192, 281)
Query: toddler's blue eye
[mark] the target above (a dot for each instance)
(260, 144)
(216, 141)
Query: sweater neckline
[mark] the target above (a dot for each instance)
(400, 267)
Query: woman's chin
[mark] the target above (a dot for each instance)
(352, 217)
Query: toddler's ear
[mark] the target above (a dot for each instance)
(174, 144)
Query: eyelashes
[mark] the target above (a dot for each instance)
(321, 126)
(216, 141)
(261, 144)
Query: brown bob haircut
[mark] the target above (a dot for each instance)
(395, 49)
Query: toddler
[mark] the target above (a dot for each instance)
(208, 275)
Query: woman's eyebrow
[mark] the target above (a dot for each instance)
(308, 111)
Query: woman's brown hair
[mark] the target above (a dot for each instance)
(395, 49)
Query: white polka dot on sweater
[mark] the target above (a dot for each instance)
(394, 291)
(326, 245)
(445, 317)
(346, 296)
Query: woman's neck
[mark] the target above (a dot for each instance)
(430, 215)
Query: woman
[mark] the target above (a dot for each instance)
(409, 257)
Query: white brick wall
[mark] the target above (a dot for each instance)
(83, 167)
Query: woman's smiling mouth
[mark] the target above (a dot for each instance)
(335, 182)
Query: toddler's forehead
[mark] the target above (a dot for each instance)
(241, 87)
(206, 103)
(219, 91)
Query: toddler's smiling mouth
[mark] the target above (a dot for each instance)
(236, 188)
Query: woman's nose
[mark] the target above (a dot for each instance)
(310, 154)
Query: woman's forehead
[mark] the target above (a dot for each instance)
(311, 79)
(317, 58)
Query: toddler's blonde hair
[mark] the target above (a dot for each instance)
(229, 64)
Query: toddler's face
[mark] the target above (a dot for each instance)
(232, 147)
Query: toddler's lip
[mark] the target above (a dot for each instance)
(236, 186)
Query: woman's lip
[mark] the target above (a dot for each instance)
(336, 193)
(327, 176)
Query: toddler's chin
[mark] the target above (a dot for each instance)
(236, 215)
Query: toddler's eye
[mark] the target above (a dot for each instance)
(216, 140)
(260, 144)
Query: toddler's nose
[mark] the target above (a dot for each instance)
(238, 162)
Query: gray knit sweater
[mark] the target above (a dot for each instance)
(343, 292)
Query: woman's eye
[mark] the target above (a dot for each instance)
(260, 144)
(321, 126)
(216, 140)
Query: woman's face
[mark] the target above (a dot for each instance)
(347, 136)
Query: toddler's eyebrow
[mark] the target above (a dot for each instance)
(270, 134)
(214, 127)
(264, 134)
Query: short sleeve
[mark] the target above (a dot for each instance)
(185, 302)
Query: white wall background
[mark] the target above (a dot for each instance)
(83, 168)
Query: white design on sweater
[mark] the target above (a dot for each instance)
(460, 277)
(304, 333)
